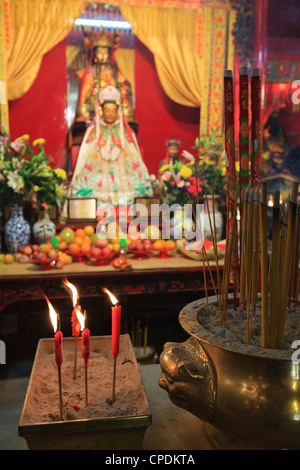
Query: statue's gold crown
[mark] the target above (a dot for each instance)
(103, 39)
(111, 94)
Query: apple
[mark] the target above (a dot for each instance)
(101, 242)
(18, 256)
(24, 259)
(139, 245)
(52, 254)
(95, 252)
(59, 264)
(106, 251)
(21, 248)
(35, 248)
(147, 244)
(27, 250)
(42, 256)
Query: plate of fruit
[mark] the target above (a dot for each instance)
(101, 253)
(76, 243)
(46, 261)
(141, 249)
(163, 248)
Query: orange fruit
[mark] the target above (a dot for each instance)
(159, 245)
(9, 259)
(74, 248)
(170, 245)
(89, 230)
(46, 247)
(87, 240)
(79, 233)
(85, 248)
(66, 258)
(63, 245)
(78, 240)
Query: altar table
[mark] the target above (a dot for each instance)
(154, 275)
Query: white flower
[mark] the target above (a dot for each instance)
(18, 145)
(15, 181)
(188, 155)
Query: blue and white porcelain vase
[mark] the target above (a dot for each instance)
(16, 230)
(43, 229)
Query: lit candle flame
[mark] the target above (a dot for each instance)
(53, 315)
(73, 290)
(80, 318)
(271, 203)
(112, 297)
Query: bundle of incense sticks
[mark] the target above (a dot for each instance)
(279, 271)
(280, 274)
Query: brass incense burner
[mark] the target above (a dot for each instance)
(250, 398)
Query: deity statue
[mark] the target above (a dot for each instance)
(172, 153)
(101, 71)
(109, 165)
(171, 158)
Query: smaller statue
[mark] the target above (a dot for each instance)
(172, 156)
(110, 167)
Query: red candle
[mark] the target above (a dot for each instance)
(58, 338)
(115, 334)
(115, 329)
(115, 323)
(58, 343)
(85, 346)
(85, 351)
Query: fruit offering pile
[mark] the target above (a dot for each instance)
(83, 244)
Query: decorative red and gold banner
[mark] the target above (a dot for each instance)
(231, 180)
(255, 130)
(244, 134)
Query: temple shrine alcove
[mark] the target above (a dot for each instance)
(260, 40)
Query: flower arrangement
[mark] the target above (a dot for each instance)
(26, 174)
(211, 165)
(181, 183)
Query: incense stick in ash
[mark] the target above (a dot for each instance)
(274, 270)
(264, 267)
(243, 252)
(291, 230)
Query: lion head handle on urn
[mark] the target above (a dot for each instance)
(188, 377)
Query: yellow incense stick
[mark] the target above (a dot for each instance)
(243, 250)
(264, 267)
(287, 263)
(249, 245)
(255, 247)
(274, 272)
